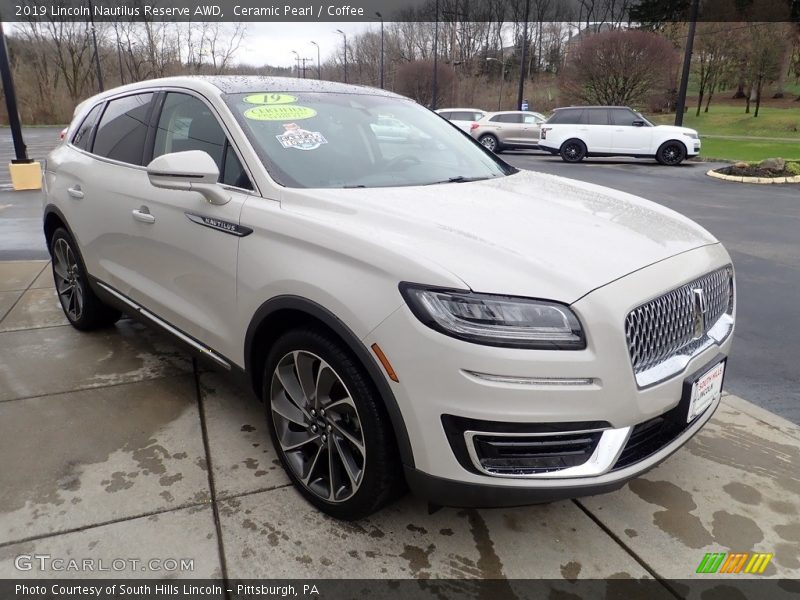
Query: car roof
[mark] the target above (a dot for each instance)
(233, 84)
(465, 109)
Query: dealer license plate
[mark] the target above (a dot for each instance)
(705, 391)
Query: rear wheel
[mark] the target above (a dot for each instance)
(328, 425)
(671, 153)
(84, 310)
(573, 151)
(490, 142)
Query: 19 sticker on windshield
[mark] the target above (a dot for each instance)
(279, 112)
(300, 139)
(270, 99)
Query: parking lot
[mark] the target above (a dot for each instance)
(116, 444)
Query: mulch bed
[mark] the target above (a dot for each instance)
(753, 172)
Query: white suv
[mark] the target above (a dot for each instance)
(580, 131)
(411, 310)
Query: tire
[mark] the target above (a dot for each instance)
(339, 432)
(573, 151)
(83, 309)
(490, 142)
(671, 153)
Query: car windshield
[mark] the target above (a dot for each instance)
(335, 140)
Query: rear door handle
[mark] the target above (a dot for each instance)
(75, 192)
(143, 214)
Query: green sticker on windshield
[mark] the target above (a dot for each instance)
(270, 99)
(279, 113)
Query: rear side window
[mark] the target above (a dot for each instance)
(83, 137)
(447, 115)
(507, 119)
(123, 128)
(594, 116)
(567, 116)
(465, 116)
(186, 123)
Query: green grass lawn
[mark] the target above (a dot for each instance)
(726, 119)
(748, 150)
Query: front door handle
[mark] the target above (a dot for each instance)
(143, 214)
(75, 192)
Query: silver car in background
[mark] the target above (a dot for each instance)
(508, 130)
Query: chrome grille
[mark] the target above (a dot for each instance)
(666, 325)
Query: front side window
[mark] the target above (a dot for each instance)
(123, 128)
(186, 123)
(83, 136)
(331, 140)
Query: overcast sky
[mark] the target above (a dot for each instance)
(272, 43)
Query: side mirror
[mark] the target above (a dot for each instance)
(638, 123)
(191, 171)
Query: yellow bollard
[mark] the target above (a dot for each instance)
(26, 176)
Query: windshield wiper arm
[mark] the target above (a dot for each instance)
(459, 179)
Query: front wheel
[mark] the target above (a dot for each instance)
(573, 151)
(84, 310)
(328, 425)
(671, 153)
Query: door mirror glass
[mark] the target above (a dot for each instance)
(193, 170)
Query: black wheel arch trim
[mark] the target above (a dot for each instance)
(354, 344)
(52, 209)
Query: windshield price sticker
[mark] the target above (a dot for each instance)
(279, 112)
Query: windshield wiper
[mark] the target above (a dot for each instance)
(459, 179)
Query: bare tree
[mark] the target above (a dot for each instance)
(618, 67)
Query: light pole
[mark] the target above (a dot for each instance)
(523, 55)
(296, 63)
(680, 105)
(435, 93)
(380, 16)
(502, 78)
(319, 68)
(344, 35)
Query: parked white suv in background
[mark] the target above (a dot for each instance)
(411, 310)
(580, 131)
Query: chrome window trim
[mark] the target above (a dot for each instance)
(605, 455)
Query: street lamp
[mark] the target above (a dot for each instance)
(296, 63)
(319, 68)
(502, 77)
(380, 16)
(344, 35)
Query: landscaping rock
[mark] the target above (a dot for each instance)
(773, 164)
(741, 165)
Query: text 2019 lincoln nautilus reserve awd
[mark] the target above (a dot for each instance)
(412, 310)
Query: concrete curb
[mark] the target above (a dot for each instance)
(762, 180)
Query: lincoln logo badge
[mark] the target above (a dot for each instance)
(699, 312)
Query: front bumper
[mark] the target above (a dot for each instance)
(436, 378)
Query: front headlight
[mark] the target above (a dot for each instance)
(496, 320)
(691, 135)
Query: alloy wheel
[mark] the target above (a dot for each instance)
(317, 426)
(672, 154)
(489, 142)
(68, 279)
(572, 151)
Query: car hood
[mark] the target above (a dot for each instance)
(527, 234)
(675, 129)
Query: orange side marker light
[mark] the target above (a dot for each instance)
(385, 362)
